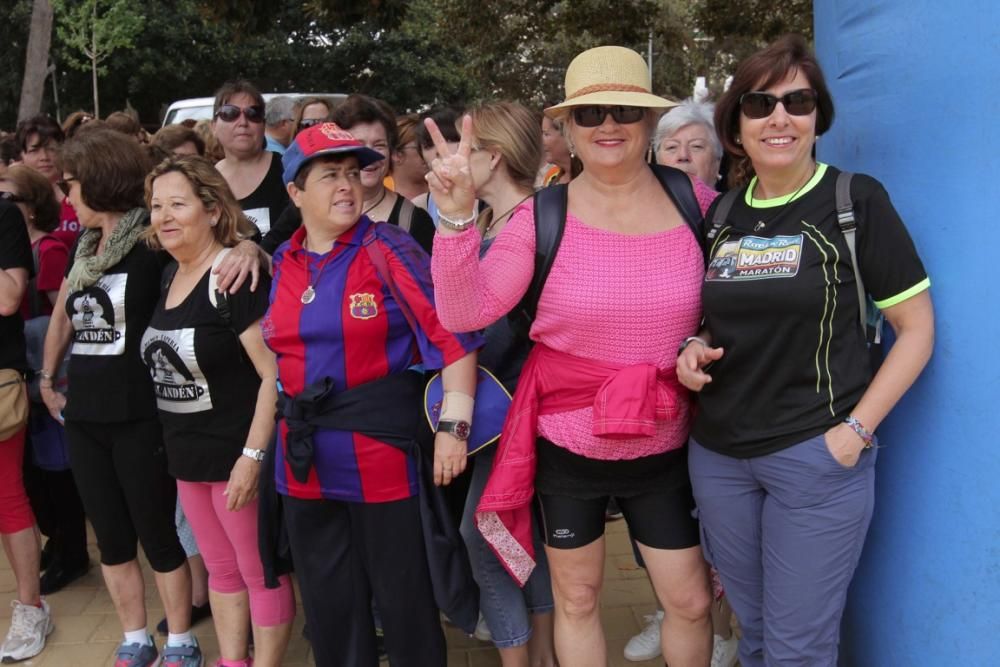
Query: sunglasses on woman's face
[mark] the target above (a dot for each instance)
(594, 115)
(11, 197)
(230, 113)
(759, 104)
(306, 123)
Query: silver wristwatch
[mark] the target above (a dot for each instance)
(456, 427)
(255, 454)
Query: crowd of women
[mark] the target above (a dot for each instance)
(237, 347)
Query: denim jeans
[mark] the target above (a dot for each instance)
(504, 604)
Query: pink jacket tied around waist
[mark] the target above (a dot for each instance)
(627, 402)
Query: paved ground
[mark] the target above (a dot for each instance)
(87, 629)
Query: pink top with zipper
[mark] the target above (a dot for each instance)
(624, 299)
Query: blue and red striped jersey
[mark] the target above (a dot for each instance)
(353, 332)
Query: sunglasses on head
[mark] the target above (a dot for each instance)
(11, 197)
(594, 115)
(758, 104)
(230, 112)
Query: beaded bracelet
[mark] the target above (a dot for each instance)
(862, 432)
(457, 225)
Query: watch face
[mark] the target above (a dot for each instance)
(462, 430)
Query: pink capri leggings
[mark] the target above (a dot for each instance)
(228, 543)
(15, 511)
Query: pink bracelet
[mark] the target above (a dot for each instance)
(862, 432)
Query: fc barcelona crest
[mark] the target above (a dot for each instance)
(363, 306)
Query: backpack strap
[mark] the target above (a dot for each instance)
(219, 299)
(848, 225)
(381, 265)
(406, 213)
(550, 223)
(680, 189)
(34, 298)
(722, 208)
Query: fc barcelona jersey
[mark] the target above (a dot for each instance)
(331, 315)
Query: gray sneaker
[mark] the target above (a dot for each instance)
(182, 656)
(136, 655)
(29, 626)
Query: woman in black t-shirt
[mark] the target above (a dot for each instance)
(781, 454)
(215, 385)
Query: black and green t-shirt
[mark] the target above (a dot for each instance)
(107, 379)
(779, 297)
(206, 387)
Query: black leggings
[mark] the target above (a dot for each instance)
(121, 473)
(660, 519)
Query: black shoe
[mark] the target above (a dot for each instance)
(57, 576)
(197, 614)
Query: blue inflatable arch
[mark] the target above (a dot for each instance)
(917, 91)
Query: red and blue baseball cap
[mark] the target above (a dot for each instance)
(324, 139)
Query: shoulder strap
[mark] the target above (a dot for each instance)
(550, 223)
(848, 224)
(719, 216)
(34, 298)
(406, 213)
(381, 265)
(680, 189)
(219, 300)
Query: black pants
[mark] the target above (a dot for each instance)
(58, 511)
(121, 473)
(347, 554)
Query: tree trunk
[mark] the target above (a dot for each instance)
(37, 60)
(93, 61)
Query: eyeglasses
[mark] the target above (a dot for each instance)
(230, 113)
(594, 115)
(758, 104)
(11, 197)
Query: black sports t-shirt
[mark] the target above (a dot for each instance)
(780, 298)
(107, 379)
(15, 253)
(205, 385)
(263, 206)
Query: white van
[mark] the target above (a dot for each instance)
(198, 108)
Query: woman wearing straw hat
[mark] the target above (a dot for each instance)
(598, 391)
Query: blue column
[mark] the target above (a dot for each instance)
(916, 86)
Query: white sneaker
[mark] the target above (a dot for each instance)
(482, 632)
(29, 626)
(646, 644)
(724, 651)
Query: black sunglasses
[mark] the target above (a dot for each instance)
(594, 115)
(11, 197)
(306, 123)
(230, 112)
(758, 104)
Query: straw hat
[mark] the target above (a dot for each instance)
(610, 75)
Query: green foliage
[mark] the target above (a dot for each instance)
(414, 54)
(96, 29)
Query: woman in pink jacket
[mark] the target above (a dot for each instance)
(598, 412)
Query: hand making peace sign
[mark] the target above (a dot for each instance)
(450, 178)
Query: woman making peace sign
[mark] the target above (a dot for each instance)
(599, 390)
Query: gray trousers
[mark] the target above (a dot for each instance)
(785, 532)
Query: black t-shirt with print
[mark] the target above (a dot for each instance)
(15, 253)
(780, 298)
(107, 379)
(264, 205)
(206, 387)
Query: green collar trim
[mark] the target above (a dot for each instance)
(784, 199)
